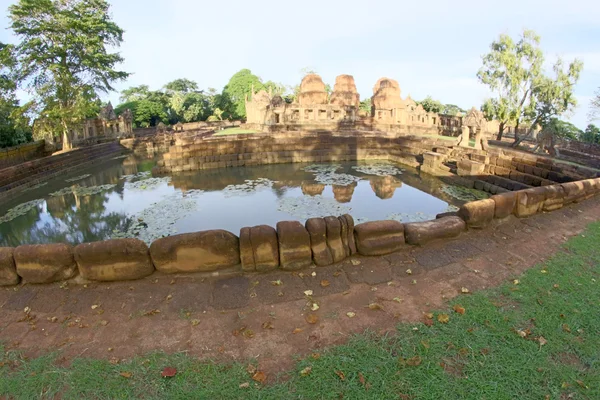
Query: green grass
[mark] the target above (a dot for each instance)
(478, 355)
(234, 131)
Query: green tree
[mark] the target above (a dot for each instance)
(135, 93)
(181, 85)
(365, 105)
(513, 70)
(239, 86)
(563, 129)
(15, 127)
(452, 109)
(591, 134)
(63, 56)
(431, 105)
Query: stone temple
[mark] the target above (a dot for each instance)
(315, 109)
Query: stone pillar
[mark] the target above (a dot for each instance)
(464, 141)
(478, 135)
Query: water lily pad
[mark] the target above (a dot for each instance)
(377, 169)
(19, 210)
(463, 193)
(147, 183)
(249, 186)
(138, 176)
(159, 219)
(326, 175)
(312, 206)
(83, 190)
(78, 178)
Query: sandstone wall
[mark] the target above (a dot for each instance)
(19, 154)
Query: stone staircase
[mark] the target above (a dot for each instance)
(18, 177)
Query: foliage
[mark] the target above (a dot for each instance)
(182, 85)
(563, 129)
(365, 105)
(452, 109)
(63, 55)
(431, 105)
(537, 339)
(239, 86)
(15, 127)
(594, 112)
(523, 93)
(591, 134)
(135, 93)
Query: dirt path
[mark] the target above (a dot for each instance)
(267, 316)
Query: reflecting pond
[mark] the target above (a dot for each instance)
(120, 198)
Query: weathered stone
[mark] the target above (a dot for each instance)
(447, 214)
(344, 92)
(294, 245)
(470, 168)
(334, 239)
(379, 237)
(265, 248)
(113, 260)
(344, 234)
(196, 252)
(505, 204)
(312, 90)
(8, 270)
(555, 198)
(478, 214)
(420, 233)
(530, 201)
(386, 94)
(45, 263)
(317, 229)
(246, 253)
(574, 192)
(351, 241)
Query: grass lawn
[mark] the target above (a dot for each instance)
(234, 131)
(535, 338)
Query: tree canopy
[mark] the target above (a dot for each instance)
(594, 112)
(591, 134)
(63, 56)
(513, 70)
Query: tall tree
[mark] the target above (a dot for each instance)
(182, 85)
(594, 112)
(591, 134)
(135, 93)
(63, 56)
(513, 70)
(431, 105)
(239, 86)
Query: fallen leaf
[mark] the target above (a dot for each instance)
(267, 325)
(443, 318)
(409, 271)
(306, 371)
(344, 293)
(276, 283)
(542, 340)
(341, 375)
(312, 318)
(414, 361)
(459, 309)
(350, 314)
(464, 290)
(428, 322)
(375, 306)
(429, 315)
(363, 381)
(522, 333)
(414, 282)
(325, 283)
(259, 377)
(126, 374)
(556, 286)
(244, 385)
(151, 312)
(308, 292)
(397, 299)
(580, 383)
(169, 297)
(425, 344)
(516, 282)
(248, 333)
(315, 356)
(355, 262)
(314, 307)
(94, 306)
(168, 372)
(544, 271)
(313, 274)
(337, 273)
(566, 328)
(297, 330)
(251, 369)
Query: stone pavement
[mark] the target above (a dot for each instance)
(268, 316)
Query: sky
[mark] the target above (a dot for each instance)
(430, 47)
